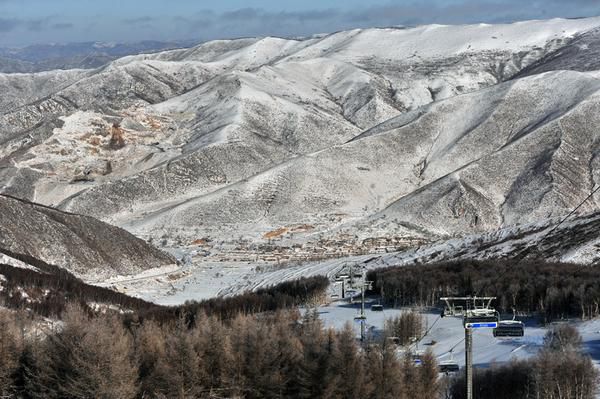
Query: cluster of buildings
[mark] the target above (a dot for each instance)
(322, 249)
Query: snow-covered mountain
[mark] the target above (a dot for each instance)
(422, 132)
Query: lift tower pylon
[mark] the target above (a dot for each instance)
(476, 313)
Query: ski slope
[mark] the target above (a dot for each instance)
(446, 335)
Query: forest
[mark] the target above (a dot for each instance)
(48, 294)
(273, 355)
(261, 345)
(550, 291)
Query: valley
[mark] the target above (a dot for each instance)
(364, 213)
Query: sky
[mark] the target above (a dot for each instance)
(25, 22)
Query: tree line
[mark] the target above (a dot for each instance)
(275, 355)
(48, 295)
(533, 287)
(558, 371)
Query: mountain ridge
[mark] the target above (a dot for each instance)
(340, 132)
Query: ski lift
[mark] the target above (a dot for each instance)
(377, 308)
(448, 367)
(417, 357)
(509, 328)
(453, 311)
(476, 312)
(481, 316)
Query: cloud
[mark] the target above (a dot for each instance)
(63, 25)
(249, 21)
(9, 24)
(32, 25)
(140, 20)
(36, 25)
(258, 22)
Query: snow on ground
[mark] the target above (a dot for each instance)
(205, 280)
(199, 278)
(202, 280)
(179, 284)
(448, 334)
(254, 116)
(431, 41)
(7, 260)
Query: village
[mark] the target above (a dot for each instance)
(279, 252)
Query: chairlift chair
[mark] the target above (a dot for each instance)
(417, 357)
(451, 309)
(484, 315)
(454, 311)
(509, 328)
(448, 367)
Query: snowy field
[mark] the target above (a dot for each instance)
(205, 280)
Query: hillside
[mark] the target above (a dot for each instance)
(419, 133)
(30, 233)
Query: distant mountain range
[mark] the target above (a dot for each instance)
(426, 132)
(86, 55)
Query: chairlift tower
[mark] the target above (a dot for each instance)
(363, 318)
(476, 313)
(347, 276)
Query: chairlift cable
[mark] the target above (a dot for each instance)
(454, 347)
(451, 350)
(427, 331)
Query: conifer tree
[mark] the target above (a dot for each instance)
(348, 363)
(177, 371)
(428, 376)
(88, 358)
(10, 349)
(385, 372)
(212, 343)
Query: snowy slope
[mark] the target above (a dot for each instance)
(415, 132)
(514, 153)
(35, 234)
(448, 335)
